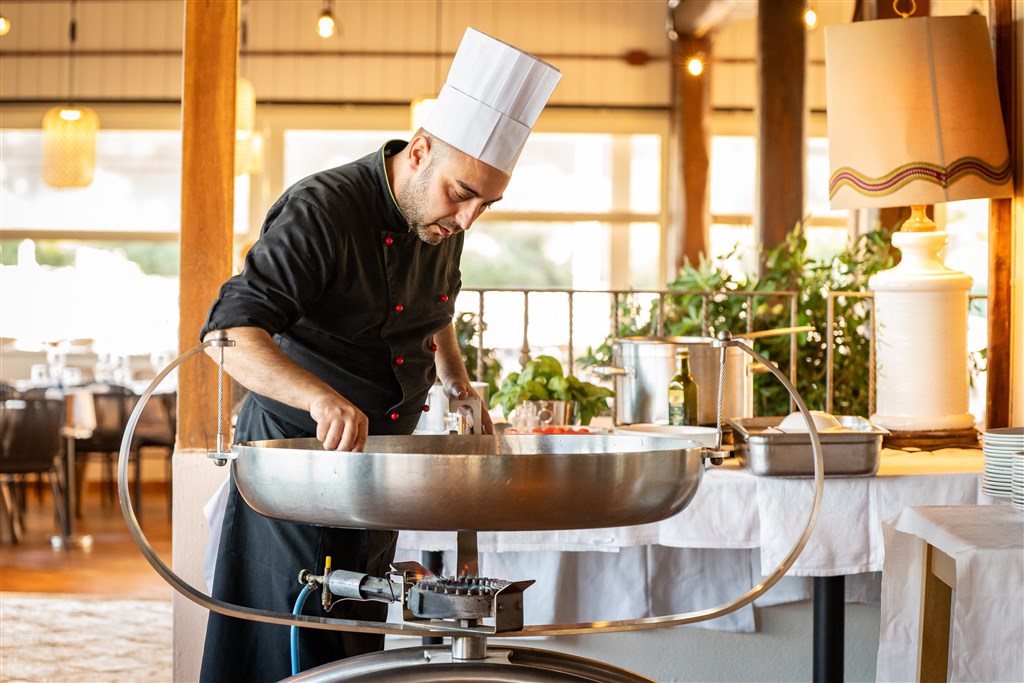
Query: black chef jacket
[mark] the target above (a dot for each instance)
(350, 294)
(347, 291)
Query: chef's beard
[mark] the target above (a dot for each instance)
(414, 205)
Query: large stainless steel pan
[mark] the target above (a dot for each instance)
(472, 483)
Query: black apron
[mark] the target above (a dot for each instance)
(349, 294)
(258, 566)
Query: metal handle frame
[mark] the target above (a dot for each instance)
(360, 626)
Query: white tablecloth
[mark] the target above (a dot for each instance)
(987, 633)
(714, 549)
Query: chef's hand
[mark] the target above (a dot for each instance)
(457, 388)
(339, 424)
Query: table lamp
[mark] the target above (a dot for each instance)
(914, 119)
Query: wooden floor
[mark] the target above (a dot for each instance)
(112, 566)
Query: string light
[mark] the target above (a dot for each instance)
(695, 65)
(810, 17)
(325, 24)
(5, 25)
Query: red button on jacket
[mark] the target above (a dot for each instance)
(394, 416)
(433, 347)
(389, 241)
(399, 361)
(444, 298)
(426, 407)
(399, 308)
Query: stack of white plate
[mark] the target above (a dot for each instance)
(1017, 481)
(999, 446)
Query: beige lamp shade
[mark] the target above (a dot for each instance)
(913, 113)
(69, 146)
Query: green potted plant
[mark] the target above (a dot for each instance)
(787, 268)
(542, 379)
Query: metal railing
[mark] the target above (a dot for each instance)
(617, 297)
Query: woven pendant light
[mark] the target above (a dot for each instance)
(69, 146)
(69, 133)
(245, 122)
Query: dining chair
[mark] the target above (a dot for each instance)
(112, 404)
(31, 444)
(157, 427)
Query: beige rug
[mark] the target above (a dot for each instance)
(48, 637)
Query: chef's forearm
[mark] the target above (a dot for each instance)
(448, 357)
(257, 363)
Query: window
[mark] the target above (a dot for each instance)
(733, 186)
(99, 262)
(309, 151)
(137, 186)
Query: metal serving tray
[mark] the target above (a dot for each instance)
(472, 483)
(769, 453)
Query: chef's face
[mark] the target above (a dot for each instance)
(448, 192)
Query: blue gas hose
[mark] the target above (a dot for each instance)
(299, 602)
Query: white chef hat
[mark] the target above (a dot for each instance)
(491, 99)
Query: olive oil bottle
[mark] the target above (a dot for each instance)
(682, 393)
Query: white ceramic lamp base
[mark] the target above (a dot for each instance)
(921, 339)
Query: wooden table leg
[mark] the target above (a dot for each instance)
(937, 584)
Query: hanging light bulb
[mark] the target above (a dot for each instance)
(5, 25)
(810, 17)
(695, 65)
(69, 134)
(420, 107)
(325, 24)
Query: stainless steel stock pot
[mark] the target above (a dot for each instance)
(643, 366)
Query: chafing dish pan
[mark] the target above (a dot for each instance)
(471, 483)
(767, 452)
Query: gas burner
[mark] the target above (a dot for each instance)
(454, 597)
(461, 585)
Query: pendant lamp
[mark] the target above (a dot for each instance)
(69, 133)
(420, 107)
(248, 143)
(914, 119)
(245, 123)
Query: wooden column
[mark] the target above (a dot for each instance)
(1000, 230)
(207, 200)
(692, 114)
(781, 59)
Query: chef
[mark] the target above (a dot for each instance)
(342, 320)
